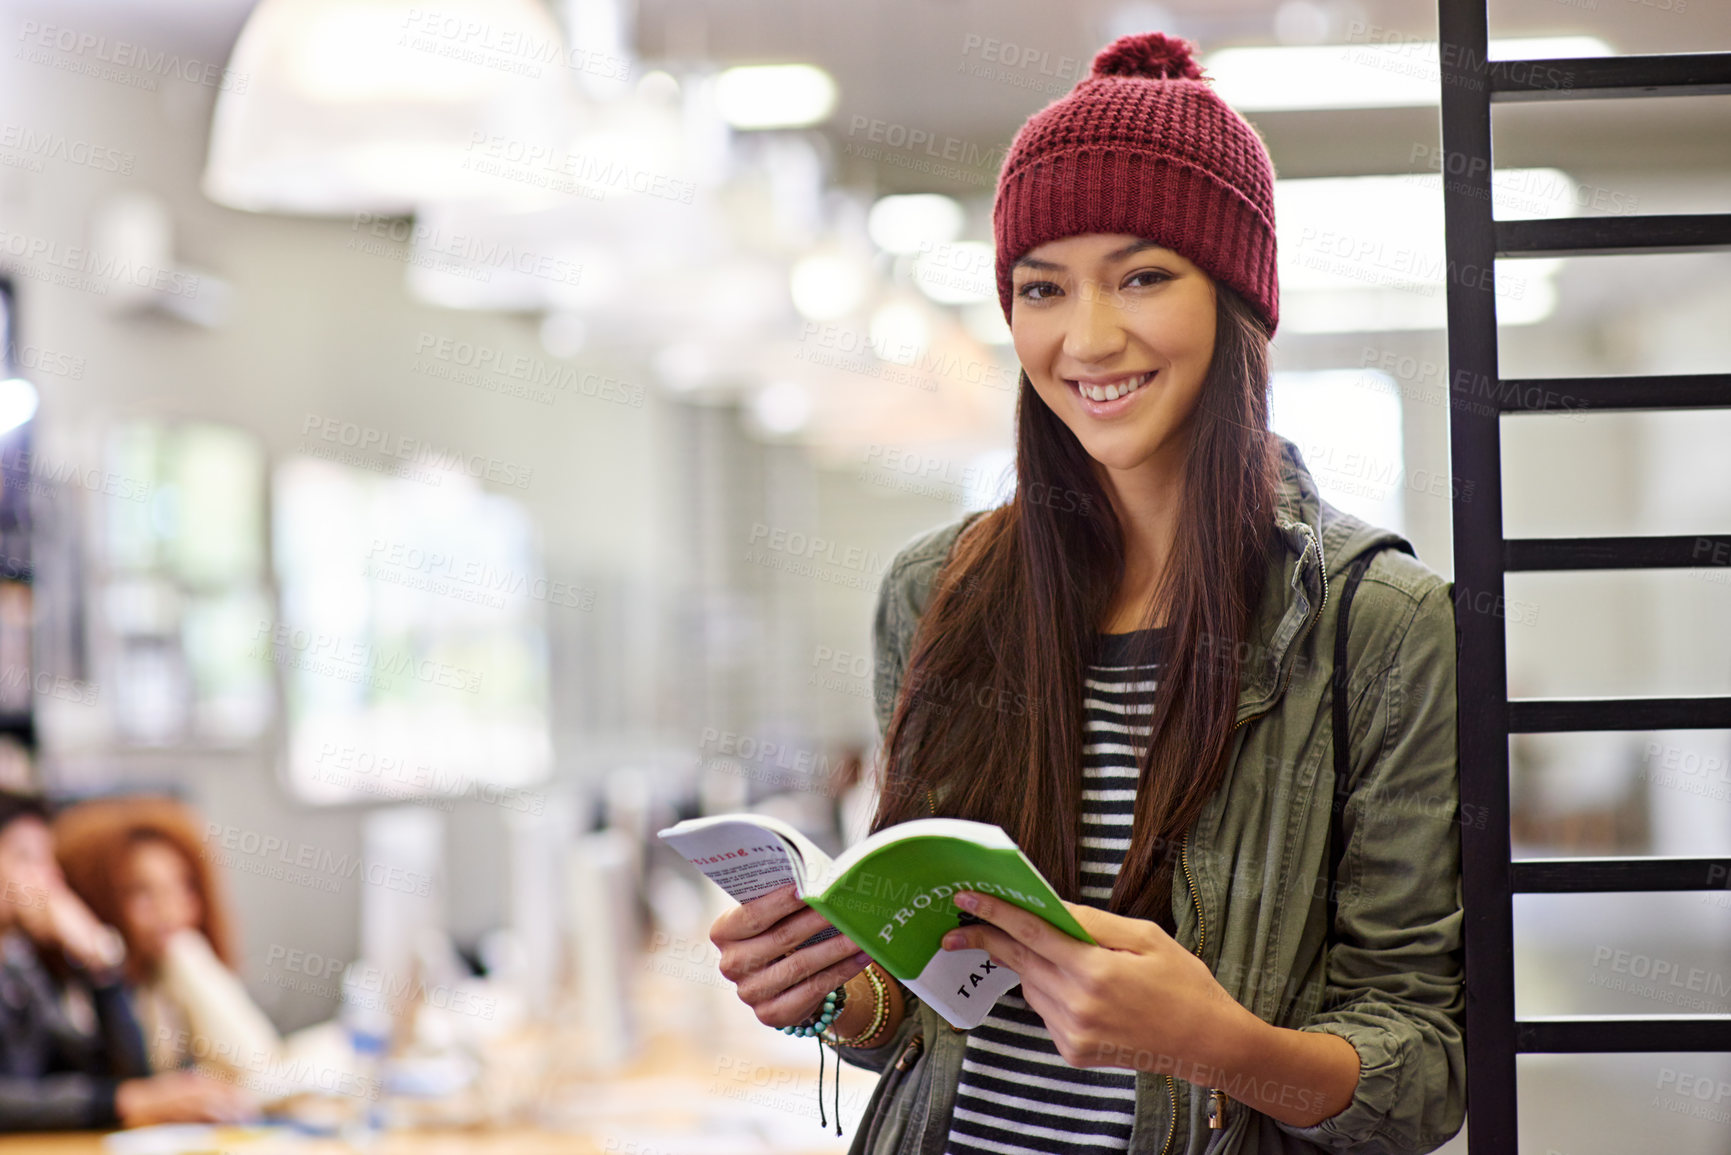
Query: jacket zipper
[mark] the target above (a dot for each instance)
(1219, 1099)
(1172, 1093)
(1201, 937)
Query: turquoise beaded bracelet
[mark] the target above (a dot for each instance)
(819, 1022)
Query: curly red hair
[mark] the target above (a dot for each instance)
(92, 840)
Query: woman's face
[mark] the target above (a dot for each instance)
(1116, 334)
(28, 869)
(158, 897)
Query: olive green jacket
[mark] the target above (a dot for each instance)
(1250, 897)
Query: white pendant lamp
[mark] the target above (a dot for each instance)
(376, 106)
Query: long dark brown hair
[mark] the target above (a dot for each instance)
(989, 717)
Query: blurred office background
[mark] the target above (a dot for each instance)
(447, 444)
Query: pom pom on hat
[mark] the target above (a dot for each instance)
(1153, 55)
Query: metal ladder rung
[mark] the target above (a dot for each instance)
(1613, 236)
(1617, 875)
(1573, 715)
(1570, 394)
(1611, 77)
(1622, 1034)
(1529, 554)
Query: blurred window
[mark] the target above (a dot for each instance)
(181, 585)
(412, 639)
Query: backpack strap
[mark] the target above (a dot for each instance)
(1342, 731)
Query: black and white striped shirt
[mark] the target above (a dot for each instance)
(1017, 1095)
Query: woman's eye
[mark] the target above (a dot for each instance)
(1026, 292)
(1155, 276)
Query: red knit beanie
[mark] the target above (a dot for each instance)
(1143, 145)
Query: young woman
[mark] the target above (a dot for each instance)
(1129, 669)
(139, 864)
(70, 1052)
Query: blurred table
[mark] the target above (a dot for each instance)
(705, 1079)
(393, 1143)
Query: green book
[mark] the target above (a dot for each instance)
(890, 893)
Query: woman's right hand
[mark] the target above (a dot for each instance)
(755, 940)
(182, 1097)
(54, 917)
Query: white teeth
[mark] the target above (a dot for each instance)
(1113, 392)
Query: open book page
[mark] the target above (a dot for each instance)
(983, 834)
(749, 855)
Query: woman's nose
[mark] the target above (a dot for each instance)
(1095, 332)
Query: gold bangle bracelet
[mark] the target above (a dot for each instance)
(880, 1015)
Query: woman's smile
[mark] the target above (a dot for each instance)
(1109, 396)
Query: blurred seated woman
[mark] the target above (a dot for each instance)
(140, 866)
(71, 1057)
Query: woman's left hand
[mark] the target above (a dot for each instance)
(1137, 999)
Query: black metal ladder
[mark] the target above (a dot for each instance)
(1474, 240)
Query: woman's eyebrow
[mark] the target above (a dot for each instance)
(1117, 254)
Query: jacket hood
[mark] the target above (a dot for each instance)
(1320, 542)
